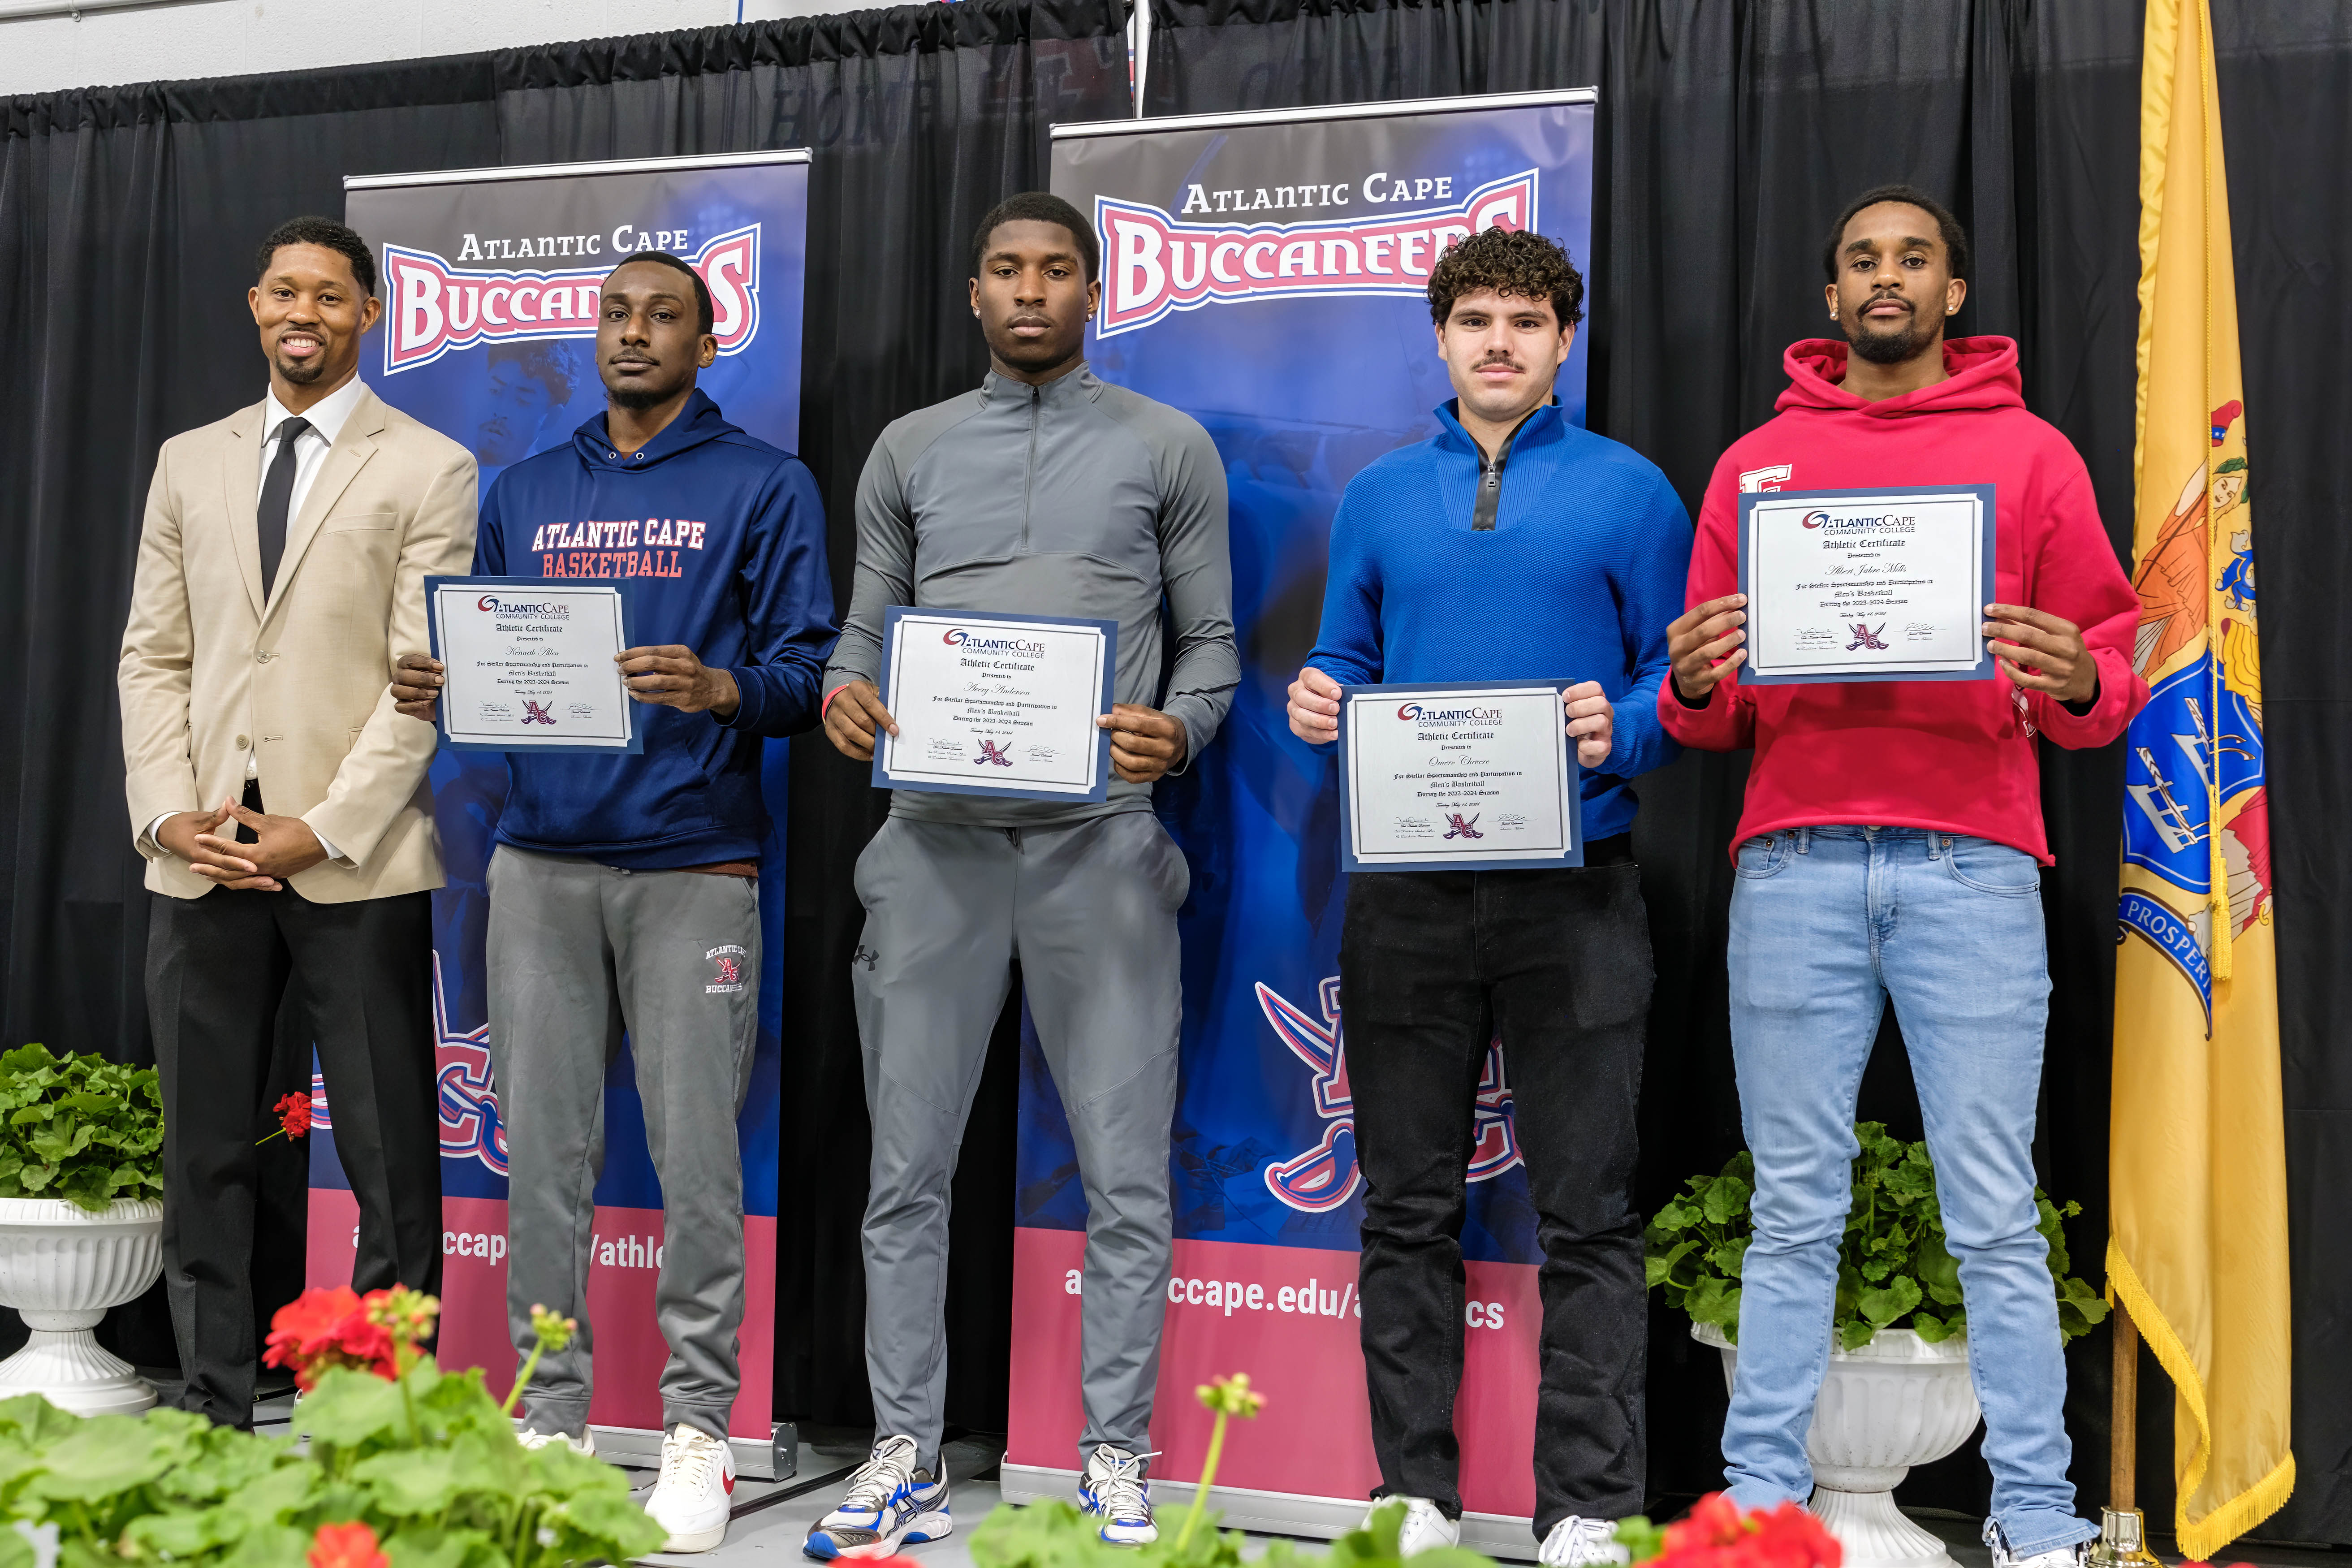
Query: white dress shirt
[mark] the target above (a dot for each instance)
(327, 417)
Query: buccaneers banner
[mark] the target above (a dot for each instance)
(491, 281)
(2199, 1254)
(1267, 274)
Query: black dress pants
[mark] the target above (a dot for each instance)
(1433, 966)
(362, 973)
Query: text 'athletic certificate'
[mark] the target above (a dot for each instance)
(1877, 585)
(1457, 778)
(996, 704)
(527, 664)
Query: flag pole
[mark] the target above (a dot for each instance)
(2123, 1529)
(2123, 1435)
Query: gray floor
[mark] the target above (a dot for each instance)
(771, 1518)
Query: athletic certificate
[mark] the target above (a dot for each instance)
(1457, 778)
(1883, 584)
(994, 704)
(528, 664)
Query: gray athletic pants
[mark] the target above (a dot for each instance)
(578, 953)
(1089, 913)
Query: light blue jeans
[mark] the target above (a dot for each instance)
(1827, 923)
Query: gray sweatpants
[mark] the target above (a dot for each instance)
(578, 953)
(1089, 913)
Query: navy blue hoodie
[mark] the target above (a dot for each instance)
(723, 536)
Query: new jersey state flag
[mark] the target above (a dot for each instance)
(2197, 1174)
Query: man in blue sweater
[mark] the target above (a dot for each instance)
(1442, 571)
(623, 888)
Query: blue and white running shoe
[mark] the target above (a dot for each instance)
(890, 1504)
(1114, 1491)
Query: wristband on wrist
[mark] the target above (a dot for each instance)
(826, 706)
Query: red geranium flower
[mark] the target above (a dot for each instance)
(330, 1328)
(1718, 1534)
(351, 1545)
(302, 1332)
(293, 1113)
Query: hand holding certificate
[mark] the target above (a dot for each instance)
(1471, 777)
(995, 705)
(529, 664)
(1871, 585)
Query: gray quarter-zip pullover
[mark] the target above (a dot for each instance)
(1077, 498)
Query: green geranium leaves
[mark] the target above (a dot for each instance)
(1894, 1269)
(78, 1128)
(430, 1464)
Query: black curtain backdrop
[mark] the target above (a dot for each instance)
(1731, 132)
(128, 222)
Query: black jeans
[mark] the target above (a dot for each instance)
(1433, 966)
(217, 969)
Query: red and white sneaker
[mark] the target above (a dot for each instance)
(696, 1486)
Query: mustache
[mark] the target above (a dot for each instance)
(1505, 361)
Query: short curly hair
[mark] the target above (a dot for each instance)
(1516, 262)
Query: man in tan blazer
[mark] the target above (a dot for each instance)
(281, 801)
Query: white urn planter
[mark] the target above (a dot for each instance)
(1896, 1401)
(62, 1267)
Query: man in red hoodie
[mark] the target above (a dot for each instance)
(1889, 849)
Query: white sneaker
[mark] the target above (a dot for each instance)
(2074, 1556)
(890, 1504)
(1424, 1528)
(583, 1445)
(1579, 1542)
(1113, 1489)
(696, 1485)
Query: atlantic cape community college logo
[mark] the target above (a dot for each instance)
(727, 970)
(437, 308)
(1159, 264)
(956, 636)
(1325, 1176)
(1420, 713)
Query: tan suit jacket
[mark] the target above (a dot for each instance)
(210, 671)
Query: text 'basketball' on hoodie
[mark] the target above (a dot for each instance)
(722, 537)
(1955, 756)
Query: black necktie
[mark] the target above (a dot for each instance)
(277, 491)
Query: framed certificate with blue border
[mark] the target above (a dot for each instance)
(527, 664)
(1473, 777)
(996, 704)
(1869, 584)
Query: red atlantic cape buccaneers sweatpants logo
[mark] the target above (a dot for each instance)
(437, 308)
(1159, 265)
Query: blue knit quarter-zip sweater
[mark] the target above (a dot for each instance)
(1568, 569)
(723, 537)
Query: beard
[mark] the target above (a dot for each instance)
(637, 399)
(302, 372)
(1888, 348)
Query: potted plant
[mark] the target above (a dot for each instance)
(1897, 1393)
(82, 1219)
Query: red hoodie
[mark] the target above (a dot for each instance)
(1957, 756)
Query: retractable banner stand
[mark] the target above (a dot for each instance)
(1266, 273)
(490, 280)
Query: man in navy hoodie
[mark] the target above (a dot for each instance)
(623, 888)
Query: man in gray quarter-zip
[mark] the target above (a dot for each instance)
(1047, 493)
